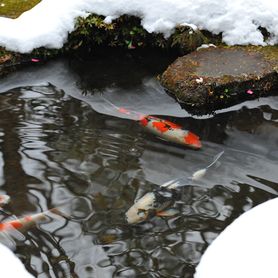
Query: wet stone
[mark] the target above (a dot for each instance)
(215, 78)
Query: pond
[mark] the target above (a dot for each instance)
(63, 145)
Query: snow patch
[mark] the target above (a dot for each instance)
(246, 248)
(10, 265)
(48, 23)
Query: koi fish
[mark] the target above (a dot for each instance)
(163, 128)
(155, 203)
(27, 221)
(151, 204)
(170, 131)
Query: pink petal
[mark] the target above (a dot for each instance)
(35, 60)
(250, 92)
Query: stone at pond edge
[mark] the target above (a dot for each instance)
(215, 78)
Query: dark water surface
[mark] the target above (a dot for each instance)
(63, 146)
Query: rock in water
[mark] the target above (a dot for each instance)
(215, 78)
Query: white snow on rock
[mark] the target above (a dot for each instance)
(48, 23)
(246, 248)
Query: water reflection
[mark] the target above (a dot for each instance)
(59, 152)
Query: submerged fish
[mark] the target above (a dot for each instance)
(163, 128)
(170, 131)
(27, 222)
(155, 203)
(151, 204)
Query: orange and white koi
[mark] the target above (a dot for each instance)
(170, 131)
(27, 222)
(163, 128)
(155, 203)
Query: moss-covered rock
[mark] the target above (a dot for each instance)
(127, 32)
(215, 78)
(92, 32)
(14, 8)
(10, 61)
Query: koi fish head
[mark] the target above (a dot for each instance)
(141, 210)
(151, 204)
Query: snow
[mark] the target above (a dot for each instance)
(246, 248)
(49, 23)
(10, 265)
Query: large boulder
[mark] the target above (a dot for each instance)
(215, 78)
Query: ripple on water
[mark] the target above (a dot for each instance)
(57, 151)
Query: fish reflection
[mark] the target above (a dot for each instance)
(156, 203)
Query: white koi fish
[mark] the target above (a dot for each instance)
(156, 202)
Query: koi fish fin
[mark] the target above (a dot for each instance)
(215, 159)
(201, 173)
(169, 183)
(175, 183)
(167, 213)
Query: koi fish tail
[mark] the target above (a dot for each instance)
(178, 182)
(216, 158)
(193, 140)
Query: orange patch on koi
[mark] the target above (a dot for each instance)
(16, 224)
(144, 121)
(192, 139)
(160, 126)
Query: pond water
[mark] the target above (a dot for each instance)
(62, 145)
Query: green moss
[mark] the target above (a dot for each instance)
(271, 53)
(14, 8)
(127, 32)
(186, 39)
(4, 55)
